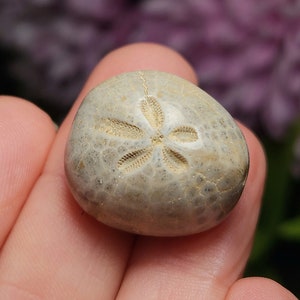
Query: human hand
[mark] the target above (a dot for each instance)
(50, 249)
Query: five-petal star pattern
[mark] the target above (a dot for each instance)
(153, 113)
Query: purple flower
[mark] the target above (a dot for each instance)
(247, 54)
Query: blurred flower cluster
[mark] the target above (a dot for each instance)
(246, 53)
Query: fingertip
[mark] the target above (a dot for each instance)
(148, 56)
(26, 133)
(23, 110)
(258, 288)
(257, 157)
(254, 187)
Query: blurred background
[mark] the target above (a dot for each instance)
(246, 53)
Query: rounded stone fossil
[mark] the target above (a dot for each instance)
(153, 154)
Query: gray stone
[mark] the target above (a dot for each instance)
(152, 154)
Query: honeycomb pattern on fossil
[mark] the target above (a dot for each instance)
(151, 153)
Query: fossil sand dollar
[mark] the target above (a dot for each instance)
(151, 153)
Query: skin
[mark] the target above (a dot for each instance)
(50, 249)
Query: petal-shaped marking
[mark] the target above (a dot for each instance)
(152, 112)
(174, 160)
(134, 160)
(184, 134)
(120, 128)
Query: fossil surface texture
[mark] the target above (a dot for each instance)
(151, 153)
